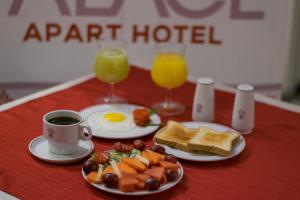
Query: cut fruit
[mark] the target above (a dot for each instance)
(126, 169)
(156, 172)
(135, 163)
(127, 184)
(146, 155)
(168, 165)
(164, 179)
(100, 172)
(115, 168)
(92, 177)
(141, 177)
(108, 169)
(140, 185)
(156, 156)
(143, 159)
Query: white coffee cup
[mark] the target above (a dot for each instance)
(64, 139)
(244, 109)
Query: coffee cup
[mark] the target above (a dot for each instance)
(63, 129)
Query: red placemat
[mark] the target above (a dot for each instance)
(269, 168)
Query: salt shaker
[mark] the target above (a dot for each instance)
(243, 110)
(204, 100)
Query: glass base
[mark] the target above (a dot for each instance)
(111, 100)
(168, 109)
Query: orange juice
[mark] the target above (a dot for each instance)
(169, 70)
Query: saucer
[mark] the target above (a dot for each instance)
(38, 147)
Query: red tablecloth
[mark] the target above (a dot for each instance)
(269, 168)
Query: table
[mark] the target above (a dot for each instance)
(269, 168)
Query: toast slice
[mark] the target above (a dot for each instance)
(175, 135)
(209, 140)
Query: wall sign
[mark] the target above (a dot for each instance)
(231, 41)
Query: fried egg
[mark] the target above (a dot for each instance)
(112, 121)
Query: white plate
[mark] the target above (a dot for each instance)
(38, 147)
(127, 108)
(162, 188)
(207, 157)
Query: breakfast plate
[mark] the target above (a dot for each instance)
(162, 188)
(38, 147)
(203, 156)
(115, 121)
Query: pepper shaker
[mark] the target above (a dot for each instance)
(243, 110)
(204, 100)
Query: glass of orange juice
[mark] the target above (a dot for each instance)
(169, 71)
(111, 66)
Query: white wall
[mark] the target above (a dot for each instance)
(252, 51)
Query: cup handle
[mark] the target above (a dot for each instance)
(82, 135)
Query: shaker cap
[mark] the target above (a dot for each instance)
(205, 81)
(245, 87)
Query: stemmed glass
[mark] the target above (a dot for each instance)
(111, 66)
(169, 71)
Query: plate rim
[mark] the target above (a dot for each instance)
(55, 161)
(138, 193)
(218, 158)
(121, 137)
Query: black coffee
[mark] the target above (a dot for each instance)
(63, 120)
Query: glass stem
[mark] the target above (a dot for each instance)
(112, 90)
(168, 98)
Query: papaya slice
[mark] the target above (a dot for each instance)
(127, 169)
(167, 165)
(141, 177)
(140, 185)
(128, 184)
(92, 177)
(127, 175)
(135, 163)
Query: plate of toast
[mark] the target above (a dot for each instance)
(200, 141)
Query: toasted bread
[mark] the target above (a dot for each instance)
(175, 135)
(209, 140)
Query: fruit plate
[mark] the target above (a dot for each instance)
(92, 116)
(162, 187)
(207, 157)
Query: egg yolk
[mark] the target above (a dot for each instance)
(114, 117)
